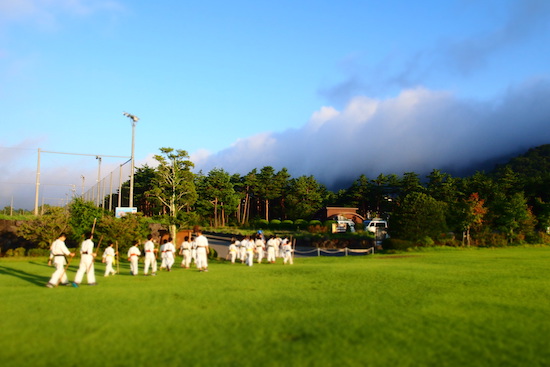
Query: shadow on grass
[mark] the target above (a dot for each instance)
(29, 277)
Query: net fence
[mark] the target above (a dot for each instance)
(105, 193)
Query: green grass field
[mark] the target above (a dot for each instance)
(440, 308)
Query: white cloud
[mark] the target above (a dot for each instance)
(418, 130)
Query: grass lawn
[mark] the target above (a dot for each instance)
(478, 307)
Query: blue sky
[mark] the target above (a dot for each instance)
(389, 86)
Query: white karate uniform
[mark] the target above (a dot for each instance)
(59, 250)
(133, 256)
(287, 253)
(163, 256)
(202, 256)
(169, 250)
(185, 250)
(260, 246)
(109, 257)
(194, 252)
(271, 244)
(250, 246)
(150, 258)
(233, 252)
(242, 250)
(86, 263)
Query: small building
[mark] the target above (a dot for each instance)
(346, 218)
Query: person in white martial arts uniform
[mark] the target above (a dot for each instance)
(242, 249)
(271, 246)
(260, 247)
(150, 256)
(108, 259)
(250, 248)
(233, 250)
(59, 250)
(287, 252)
(194, 251)
(87, 258)
(163, 255)
(169, 251)
(185, 251)
(278, 250)
(202, 251)
(133, 256)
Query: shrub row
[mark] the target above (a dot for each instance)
(21, 251)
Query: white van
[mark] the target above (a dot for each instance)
(376, 225)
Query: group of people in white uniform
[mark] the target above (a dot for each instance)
(248, 249)
(199, 248)
(58, 258)
(253, 248)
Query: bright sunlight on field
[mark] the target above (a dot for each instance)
(478, 307)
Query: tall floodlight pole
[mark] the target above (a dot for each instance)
(134, 120)
(37, 185)
(98, 180)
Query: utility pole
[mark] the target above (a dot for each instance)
(98, 180)
(37, 185)
(134, 121)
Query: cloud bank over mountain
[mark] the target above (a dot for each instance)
(418, 130)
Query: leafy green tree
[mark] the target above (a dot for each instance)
(218, 195)
(510, 214)
(82, 216)
(306, 196)
(359, 194)
(442, 186)
(270, 186)
(248, 195)
(124, 231)
(410, 182)
(418, 216)
(471, 213)
(278, 207)
(44, 229)
(173, 184)
(143, 184)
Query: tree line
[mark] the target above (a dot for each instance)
(510, 204)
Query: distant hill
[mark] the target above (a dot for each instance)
(534, 163)
(532, 166)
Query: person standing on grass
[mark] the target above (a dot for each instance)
(163, 255)
(250, 247)
(278, 250)
(59, 251)
(242, 249)
(87, 257)
(260, 247)
(233, 250)
(150, 256)
(287, 252)
(169, 250)
(133, 256)
(185, 251)
(108, 259)
(194, 251)
(202, 251)
(271, 245)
